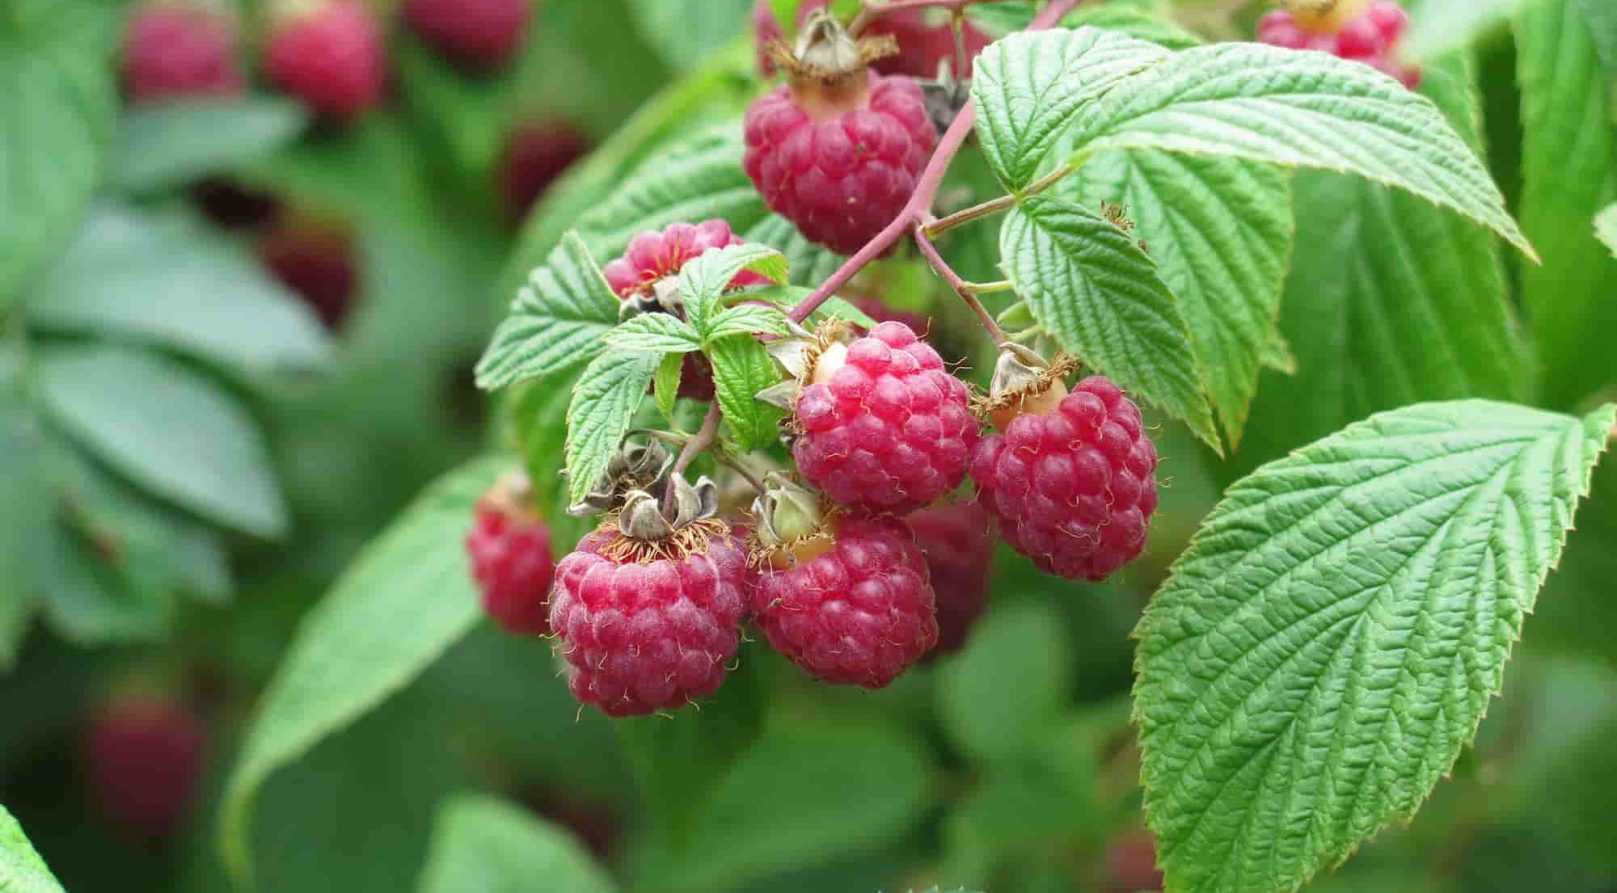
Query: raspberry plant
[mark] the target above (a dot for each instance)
(1034, 444)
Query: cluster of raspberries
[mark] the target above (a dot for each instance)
(1365, 31)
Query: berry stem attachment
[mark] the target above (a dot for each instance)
(701, 440)
(870, 11)
(961, 287)
(998, 203)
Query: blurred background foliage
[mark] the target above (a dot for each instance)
(235, 343)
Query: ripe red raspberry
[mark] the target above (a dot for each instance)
(840, 170)
(1367, 32)
(535, 154)
(329, 53)
(958, 543)
(315, 259)
(1072, 488)
(144, 756)
(884, 427)
(509, 548)
(646, 636)
(173, 49)
(476, 34)
(857, 611)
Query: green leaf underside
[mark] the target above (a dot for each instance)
(703, 280)
(665, 384)
(654, 332)
(168, 430)
(1091, 287)
(165, 145)
(1220, 230)
(1029, 87)
(747, 319)
(602, 408)
(406, 599)
(1328, 643)
(21, 868)
(556, 321)
(1606, 228)
(742, 368)
(1302, 109)
(483, 843)
(1569, 172)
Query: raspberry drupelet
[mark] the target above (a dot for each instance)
(1366, 31)
(509, 547)
(1073, 486)
(176, 49)
(328, 53)
(884, 427)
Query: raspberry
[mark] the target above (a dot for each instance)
(328, 53)
(923, 43)
(1072, 488)
(959, 548)
(144, 757)
(173, 50)
(477, 34)
(884, 427)
(510, 553)
(857, 613)
(1367, 32)
(839, 170)
(646, 636)
(1131, 862)
(315, 259)
(535, 154)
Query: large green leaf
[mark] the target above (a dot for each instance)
(1602, 20)
(24, 512)
(21, 868)
(556, 321)
(686, 32)
(1438, 27)
(485, 845)
(166, 145)
(57, 107)
(1220, 230)
(1390, 301)
(1606, 228)
(166, 279)
(602, 408)
(1029, 87)
(168, 430)
(1099, 294)
(406, 599)
(1279, 106)
(1327, 645)
(1569, 172)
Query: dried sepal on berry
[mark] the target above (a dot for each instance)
(1023, 382)
(827, 67)
(791, 524)
(636, 466)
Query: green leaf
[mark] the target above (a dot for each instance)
(686, 32)
(1144, 23)
(1012, 681)
(1325, 648)
(400, 605)
(1390, 301)
(1030, 86)
(747, 319)
(168, 430)
(742, 368)
(1606, 228)
(166, 279)
(602, 409)
(57, 107)
(86, 601)
(166, 145)
(807, 264)
(21, 868)
(1569, 172)
(1220, 230)
(556, 321)
(1438, 27)
(26, 512)
(484, 843)
(1602, 20)
(656, 332)
(1091, 287)
(787, 296)
(703, 280)
(665, 384)
(1284, 107)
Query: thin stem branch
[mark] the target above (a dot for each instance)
(966, 215)
(701, 440)
(988, 288)
(961, 287)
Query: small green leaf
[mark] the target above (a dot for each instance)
(167, 145)
(397, 608)
(1325, 648)
(1306, 109)
(1029, 87)
(747, 319)
(556, 321)
(1606, 228)
(742, 368)
(21, 868)
(1099, 295)
(168, 430)
(483, 843)
(702, 281)
(665, 384)
(655, 332)
(600, 413)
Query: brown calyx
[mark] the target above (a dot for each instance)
(1023, 383)
(829, 69)
(512, 496)
(691, 539)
